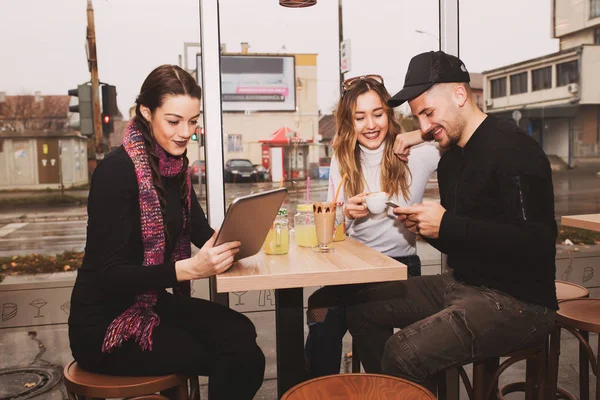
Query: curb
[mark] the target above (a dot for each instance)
(51, 218)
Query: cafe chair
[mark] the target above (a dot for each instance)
(357, 386)
(486, 373)
(578, 316)
(81, 384)
(564, 291)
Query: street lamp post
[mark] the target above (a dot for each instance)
(437, 39)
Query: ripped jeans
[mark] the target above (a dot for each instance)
(326, 318)
(443, 323)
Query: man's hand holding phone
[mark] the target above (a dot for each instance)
(422, 219)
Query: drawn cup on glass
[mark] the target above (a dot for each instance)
(325, 225)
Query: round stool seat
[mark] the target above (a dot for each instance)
(582, 314)
(89, 384)
(568, 291)
(358, 386)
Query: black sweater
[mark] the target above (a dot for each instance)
(499, 228)
(112, 272)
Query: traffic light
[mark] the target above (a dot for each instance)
(195, 135)
(84, 108)
(108, 125)
(109, 108)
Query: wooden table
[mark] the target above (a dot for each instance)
(352, 262)
(590, 222)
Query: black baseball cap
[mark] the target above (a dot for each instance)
(427, 69)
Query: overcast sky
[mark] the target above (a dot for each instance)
(42, 41)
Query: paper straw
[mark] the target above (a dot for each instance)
(281, 183)
(308, 190)
(337, 192)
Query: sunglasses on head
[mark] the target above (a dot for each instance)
(348, 83)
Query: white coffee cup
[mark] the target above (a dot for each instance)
(376, 202)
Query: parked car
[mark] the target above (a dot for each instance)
(198, 169)
(238, 170)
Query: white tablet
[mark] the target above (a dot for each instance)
(248, 220)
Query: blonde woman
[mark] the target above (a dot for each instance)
(364, 149)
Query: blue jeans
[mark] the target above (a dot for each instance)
(444, 323)
(327, 325)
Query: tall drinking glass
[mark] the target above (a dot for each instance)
(325, 225)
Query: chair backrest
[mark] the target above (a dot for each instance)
(357, 386)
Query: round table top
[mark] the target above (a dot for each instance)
(358, 386)
(569, 290)
(580, 314)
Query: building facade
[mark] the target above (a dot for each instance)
(244, 132)
(556, 98)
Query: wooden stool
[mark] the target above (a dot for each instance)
(578, 316)
(486, 373)
(358, 386)
(81, 384)
(564, 291)
(568, 291)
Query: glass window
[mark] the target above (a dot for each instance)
(518, 83)
(234, 143)
(541, 78)
(567, 73)
(594, 8)
(597, 36)
(498, 87)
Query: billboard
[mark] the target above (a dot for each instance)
(256, 83)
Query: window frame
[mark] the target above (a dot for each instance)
(534, 74)
(494, 90)
(513, 80)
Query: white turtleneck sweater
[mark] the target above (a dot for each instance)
(384, 232)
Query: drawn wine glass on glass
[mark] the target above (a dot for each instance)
(239, 297)
(38, 303)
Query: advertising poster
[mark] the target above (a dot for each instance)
(256, 83)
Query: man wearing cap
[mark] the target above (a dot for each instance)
(495, 223)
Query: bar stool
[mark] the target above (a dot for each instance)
(564, 291)
(358, 386)
(578, 316)
(486, 373)
(82, 384)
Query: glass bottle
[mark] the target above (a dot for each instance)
(340, 223)
(278, 238)
(305, 233)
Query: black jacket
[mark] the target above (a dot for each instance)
(499, 228)
(112, 273)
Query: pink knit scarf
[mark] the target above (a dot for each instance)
(139, 320)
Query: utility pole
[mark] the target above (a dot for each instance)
(340, 40)
(93, 64)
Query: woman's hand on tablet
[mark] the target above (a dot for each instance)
(210, 260)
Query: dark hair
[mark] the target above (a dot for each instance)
(164, 81)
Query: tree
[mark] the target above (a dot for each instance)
(408, 122)
(34, 113)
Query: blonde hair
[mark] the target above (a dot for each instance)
(395, 175)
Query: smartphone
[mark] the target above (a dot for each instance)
(391, 204)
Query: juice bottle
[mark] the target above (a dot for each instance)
(340, 223)
(304, 226)
(278, 238)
